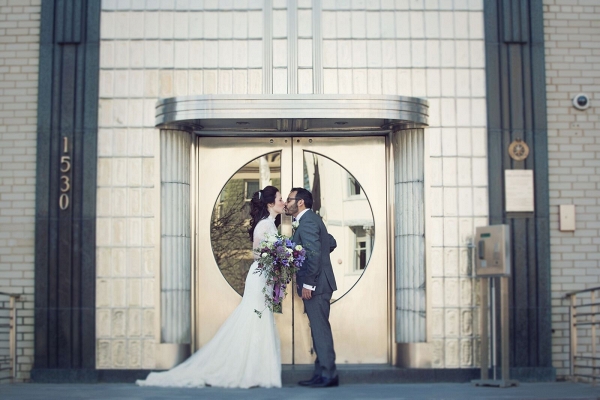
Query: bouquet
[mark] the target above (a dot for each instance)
(279, 259)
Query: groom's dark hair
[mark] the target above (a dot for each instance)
(303, 194)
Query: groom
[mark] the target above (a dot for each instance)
(315, 282)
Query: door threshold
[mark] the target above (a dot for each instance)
(381, 373)
(309, 367)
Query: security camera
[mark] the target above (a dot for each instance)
(581, 101)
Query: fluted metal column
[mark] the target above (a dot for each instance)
(175, 266)
(409, 236)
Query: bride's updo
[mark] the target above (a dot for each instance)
(259, 209)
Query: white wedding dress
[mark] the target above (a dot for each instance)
(245, 351)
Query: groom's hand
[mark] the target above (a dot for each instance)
(306, 294)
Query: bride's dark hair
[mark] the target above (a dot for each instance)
(259, 209)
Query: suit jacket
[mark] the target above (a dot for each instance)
(318, 243)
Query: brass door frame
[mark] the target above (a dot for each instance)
(342, 150)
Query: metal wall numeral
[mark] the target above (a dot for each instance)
(65, 181)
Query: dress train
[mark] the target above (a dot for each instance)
(245, 352)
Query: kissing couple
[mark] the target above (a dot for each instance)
(245, 352)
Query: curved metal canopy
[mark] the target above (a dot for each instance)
(282, 114)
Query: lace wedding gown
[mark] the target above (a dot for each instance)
(245, 351)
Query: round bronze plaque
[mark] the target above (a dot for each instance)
(518, 150)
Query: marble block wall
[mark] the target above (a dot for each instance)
(161, 48)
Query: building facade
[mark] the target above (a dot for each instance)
(106, 194)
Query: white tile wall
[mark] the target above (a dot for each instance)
(152, 49)
(571, 41)
(19, 59)
(433, 51)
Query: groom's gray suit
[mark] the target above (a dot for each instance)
(317, 271)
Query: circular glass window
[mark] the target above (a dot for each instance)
(338, 198)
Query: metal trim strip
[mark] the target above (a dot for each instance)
(292, 27)
(268, 47)
(317, 47)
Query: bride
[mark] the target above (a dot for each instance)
(245, 351)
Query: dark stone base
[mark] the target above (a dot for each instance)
(47, 375)
(533, 374)
(291, 374)
(365, 373)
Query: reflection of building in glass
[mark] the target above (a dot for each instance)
(346, 211)
(353, 186)
(363, 247)
(250, 188)
(338, 198)
(229, 230)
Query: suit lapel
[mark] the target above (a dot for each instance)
(296, 231)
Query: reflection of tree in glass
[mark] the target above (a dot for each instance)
(229, 235)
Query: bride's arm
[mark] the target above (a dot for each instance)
(259, 234)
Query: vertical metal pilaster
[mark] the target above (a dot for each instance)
(175, 262)
(268, 47)
(409, 236)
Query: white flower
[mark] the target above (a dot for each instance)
(263, 255)
(298, 247)
(272, 238)
(295, 224)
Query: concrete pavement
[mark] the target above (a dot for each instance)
(347, 391)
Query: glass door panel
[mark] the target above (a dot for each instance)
(341, 202)
(348, 179)
(229, 171)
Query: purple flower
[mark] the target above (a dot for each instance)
(282, 259)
